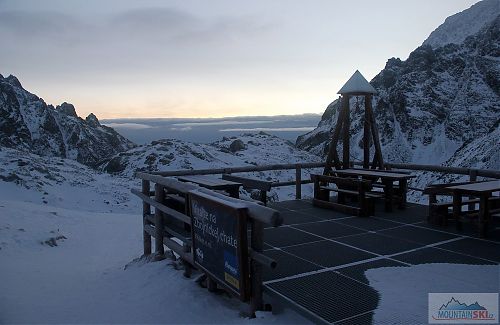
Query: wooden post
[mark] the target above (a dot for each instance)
(160, 198)
(332, 150)
(472, 178)
(211, 284)
(389, 195)
(376, 141)
(366, 134)
(363, 204)
(146, 210)
(483, 215)
(263, 197)
(457, 210)
(256, 243)
(431, 215)
(346, 137)
(403, 191)
(298, 182)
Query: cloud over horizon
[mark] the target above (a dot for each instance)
(193, 58)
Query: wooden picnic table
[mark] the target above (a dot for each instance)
(484, 191)
(213, 183)
(387, 179)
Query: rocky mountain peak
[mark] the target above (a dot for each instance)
(27, 123)
(440, 106)
(11, 79)
(67, 109)
(92, 120)
(458, 27)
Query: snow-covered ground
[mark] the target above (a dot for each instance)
(404, 290)
(66, 234)
(84, 280)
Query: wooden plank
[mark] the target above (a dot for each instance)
(450, 204)
(210, 182)
(249, 183)
(338, 207)
(172, 185)
(171, 212)
(255, 211)
(343, 182)
(334, 189)
(289, 183)
(479, 187)
(179, 250)
(373, 173)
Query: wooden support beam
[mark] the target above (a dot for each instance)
(257, 245)
(298, 182)
(346, 137)
(332, 150)
(353, 211)
(376, 141)
(171, 212)
(366, 133)
(146, 210)
(160, 198)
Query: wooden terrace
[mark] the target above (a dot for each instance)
(299, 254)
(322, 255)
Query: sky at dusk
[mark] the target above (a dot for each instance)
(131, 59)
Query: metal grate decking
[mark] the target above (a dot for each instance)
(322, 256)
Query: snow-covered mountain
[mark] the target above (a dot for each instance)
(458, 27)
(441, 105)
(64, 183)
(27, 123)
(244, 150)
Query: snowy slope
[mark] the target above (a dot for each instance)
(245, 150)
(62, 183)
(84, 279)
(458, 27)
(69, 236)
(28, 123)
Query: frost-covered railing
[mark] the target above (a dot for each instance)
(176, 220)
(473, 173)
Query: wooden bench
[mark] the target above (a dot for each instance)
(440, 212)
(251, 184)
(212, 183)
(359, 190)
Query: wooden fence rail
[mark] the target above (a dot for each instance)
(298, 167)
(171, 225)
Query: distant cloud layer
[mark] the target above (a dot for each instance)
(133, 126)
(187, 58)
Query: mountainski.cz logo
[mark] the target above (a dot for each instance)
(460, 308)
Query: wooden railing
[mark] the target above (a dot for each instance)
(171, 225)
(473, 173)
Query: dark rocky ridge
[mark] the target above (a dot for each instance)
(430, 107)
(27, 123)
